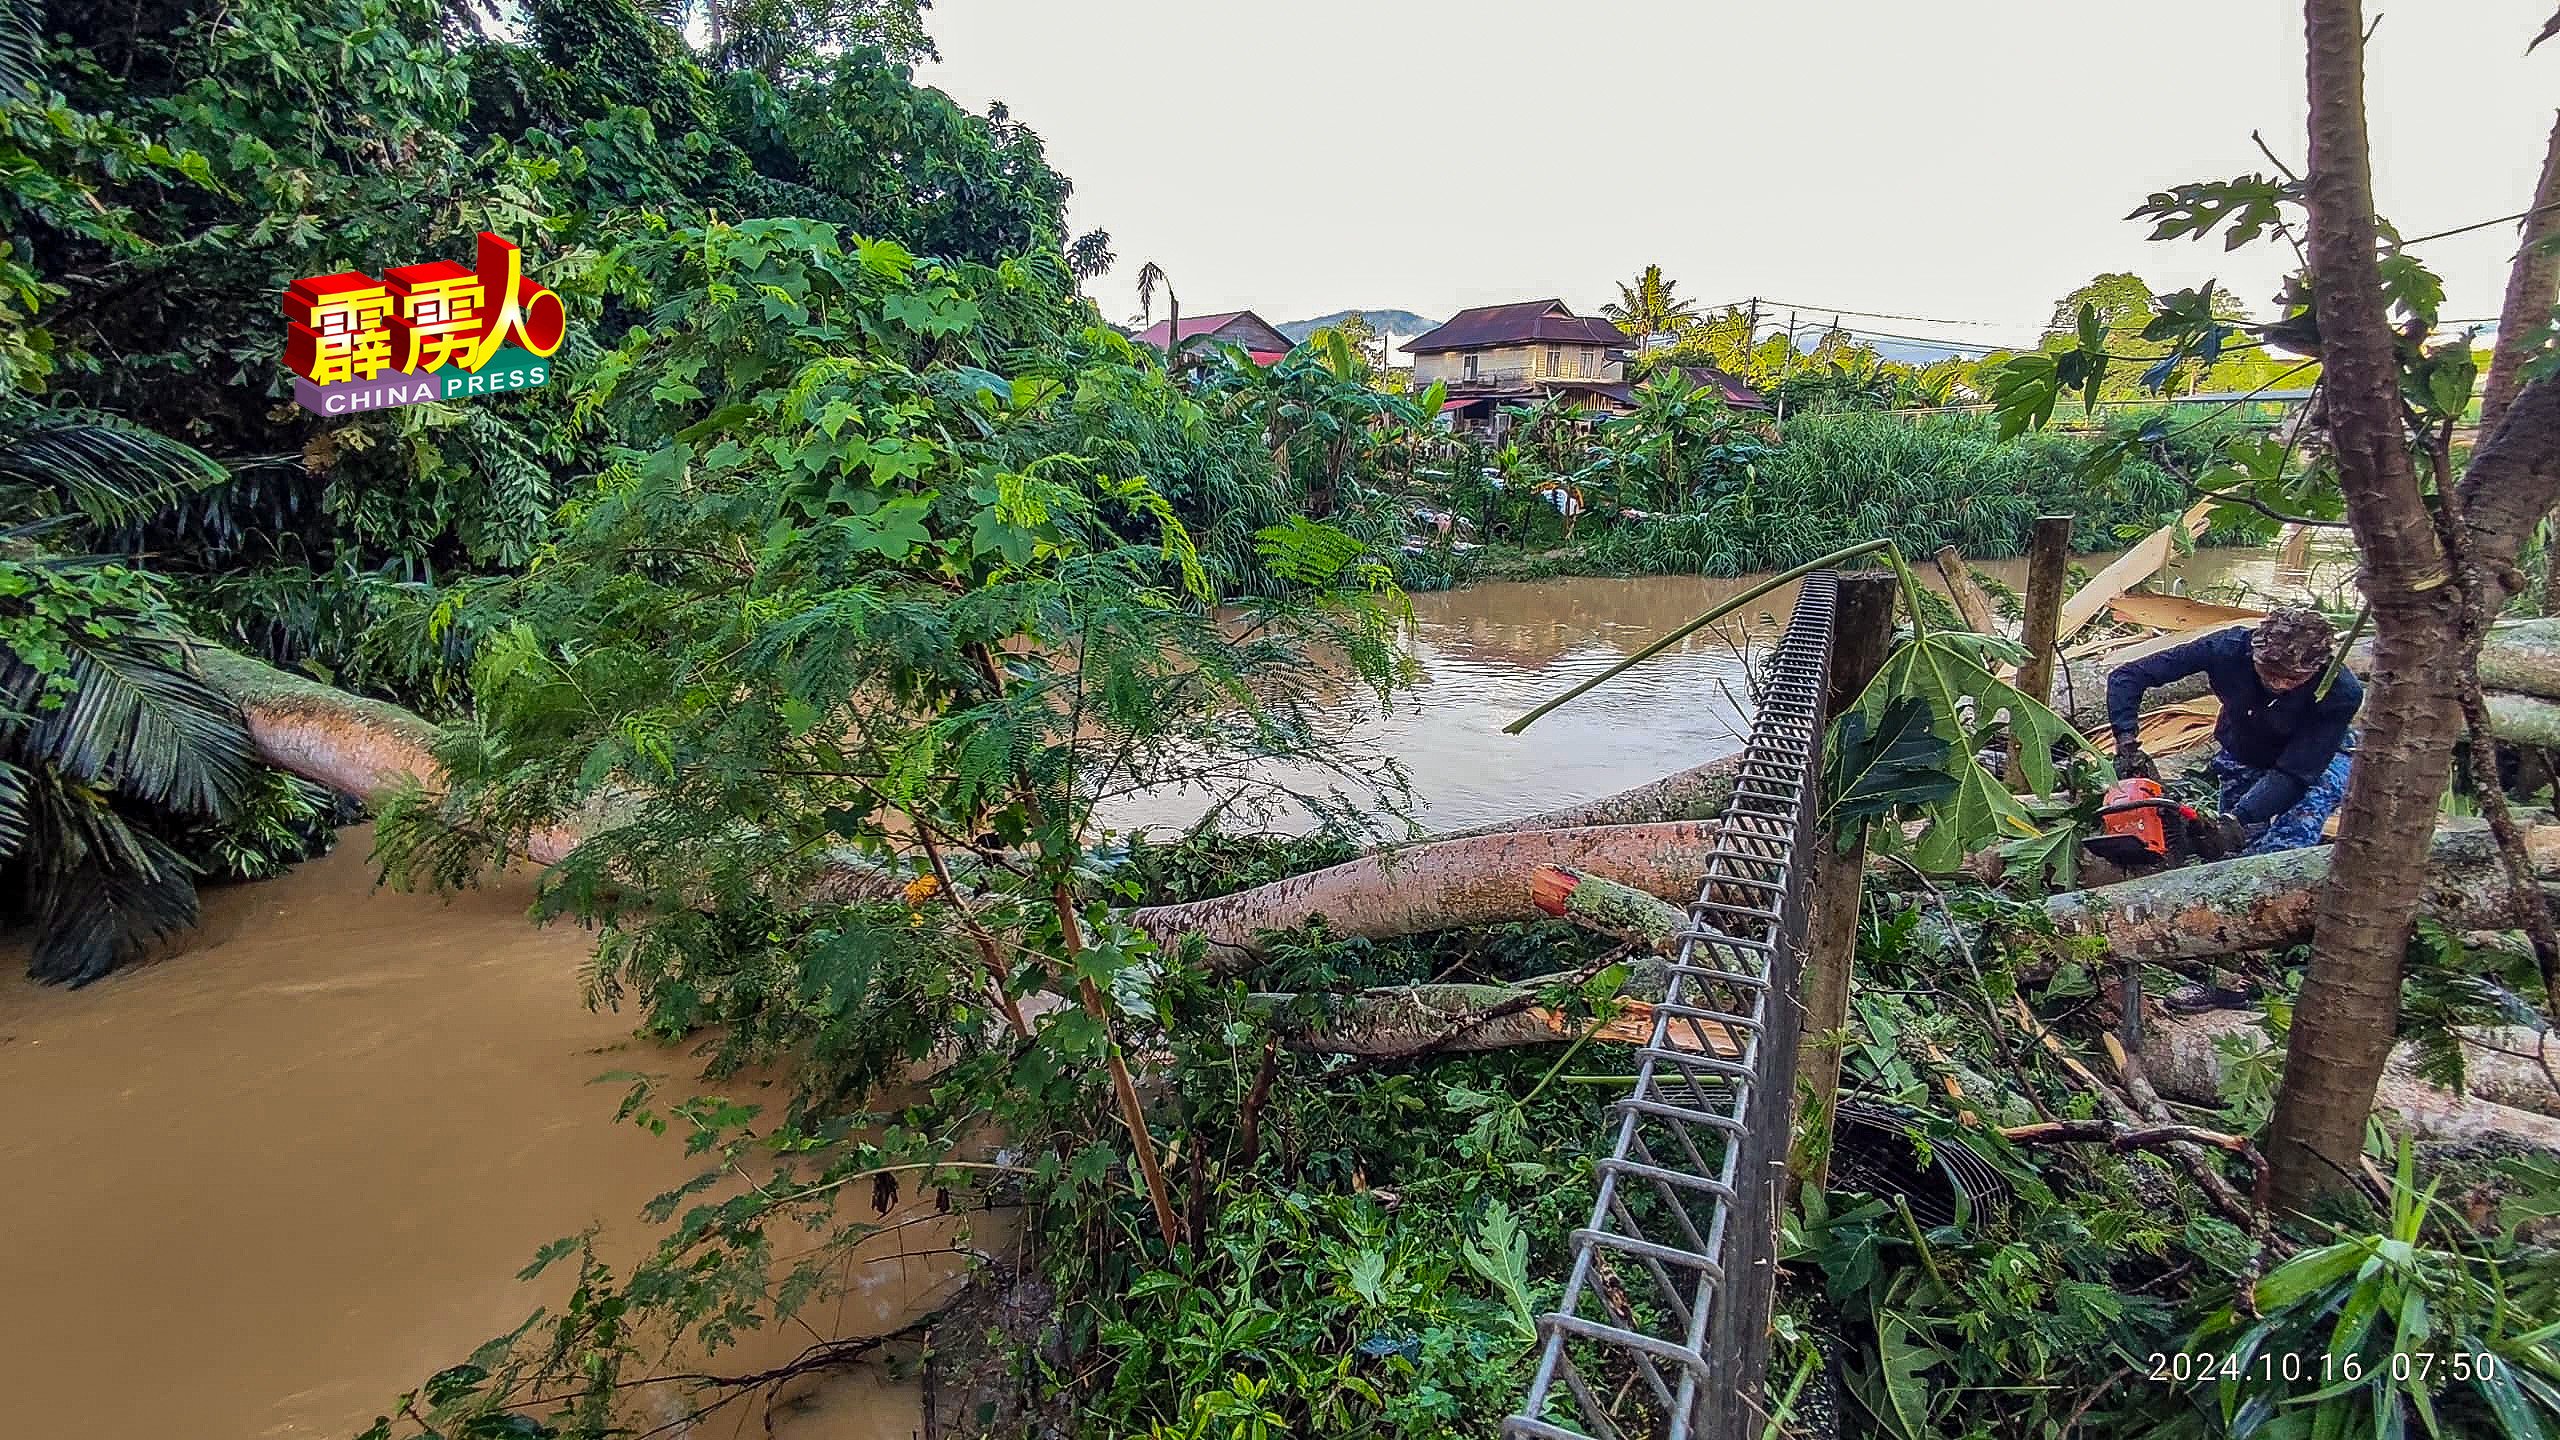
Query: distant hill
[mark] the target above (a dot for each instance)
(1394, 322)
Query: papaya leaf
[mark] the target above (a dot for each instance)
(2250, 206)
(1905, 1358)
(2054, 852)
(1895, 764)
(1966, 705)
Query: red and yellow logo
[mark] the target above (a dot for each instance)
(357, 343)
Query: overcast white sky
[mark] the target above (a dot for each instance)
(1968, 160)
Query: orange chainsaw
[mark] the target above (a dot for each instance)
(2141, 828)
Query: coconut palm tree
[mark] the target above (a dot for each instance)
(1150, 276)
(1651, 306)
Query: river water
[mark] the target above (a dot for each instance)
(261, 1187)
(1489, 653)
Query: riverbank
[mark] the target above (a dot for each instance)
(1771, 499)
(1611, 556)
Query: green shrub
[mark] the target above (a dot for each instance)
(1939, 480)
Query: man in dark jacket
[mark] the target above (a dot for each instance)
(2285, 748)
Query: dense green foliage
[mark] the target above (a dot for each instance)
(1684, 485)
(855, 567)
(190, 162)
(105, 738)
(1836, 479)
(122, 775)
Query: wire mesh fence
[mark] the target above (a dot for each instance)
(1663, 1330)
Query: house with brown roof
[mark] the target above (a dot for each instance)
(1517, 354)
(1241, 328)
(1735, 394)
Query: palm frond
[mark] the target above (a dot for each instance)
(111, 905)
(112, 471)
(21, 47)
(99, 890)
(139, 720)
(13, 810)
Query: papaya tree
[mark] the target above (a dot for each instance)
(2438, 550)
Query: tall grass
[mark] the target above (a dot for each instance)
(1937, 480)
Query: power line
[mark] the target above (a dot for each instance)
(1837, 310)
(1745, 304)
(2481, 225)
(1887, 315)
(1941, 341)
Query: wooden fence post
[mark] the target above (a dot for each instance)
(1863, 631)
(2048, 567)
(1966, 592)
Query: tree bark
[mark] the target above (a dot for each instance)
(2533, 283)
(2181, 1055)
(2048, 568)
(1966, 592)
(2524, 719)
(1862, 634)
(2523, 657)
(1595, 903)
(1438, 886)
(2350, 994)
(355, 746)
(1399, 1023)
(369, 749)
(2259, 902)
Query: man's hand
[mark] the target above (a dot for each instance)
(2217, 837)
(2131, 761)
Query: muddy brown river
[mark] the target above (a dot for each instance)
(259, 1188)
(1490, 652)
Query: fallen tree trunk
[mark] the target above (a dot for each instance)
(2523, 656)
(1441, 885)
(2183, 1056)
(2512, 1065)
(359, 747)
(370, 749)
(1403, 1022)
(366, 748)
(2524, 719)
(1620, 912)
(2257, 902)
(355, 746)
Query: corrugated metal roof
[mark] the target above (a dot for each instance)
(1192, 325)
(1520, 323)
(1736, 394)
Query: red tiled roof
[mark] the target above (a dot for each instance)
(1516, 324)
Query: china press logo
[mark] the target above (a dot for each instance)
(421, 332)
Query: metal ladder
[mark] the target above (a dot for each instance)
(1664, 1326)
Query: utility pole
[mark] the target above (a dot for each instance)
(1786, 367)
